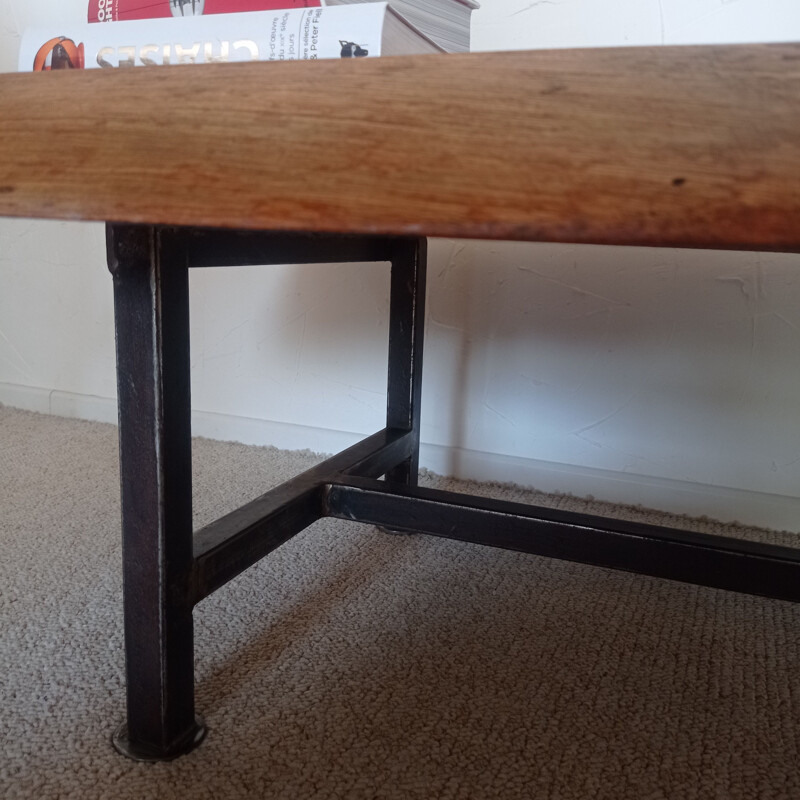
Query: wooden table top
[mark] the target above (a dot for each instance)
(680, 146)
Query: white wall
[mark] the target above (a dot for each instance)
(662, 377)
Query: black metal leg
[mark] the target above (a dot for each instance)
(152, 323)
(406, 326)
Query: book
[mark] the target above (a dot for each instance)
(366, 30)
(122, 10)
(446, 22)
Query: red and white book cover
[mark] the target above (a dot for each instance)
(287, 34)
(119, 10)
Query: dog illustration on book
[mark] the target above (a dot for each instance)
(352, 50)
(59, 53)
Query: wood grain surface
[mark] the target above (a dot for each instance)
(683, 146)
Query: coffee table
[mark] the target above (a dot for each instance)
(224, 165)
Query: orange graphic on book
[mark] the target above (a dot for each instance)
(59, 53)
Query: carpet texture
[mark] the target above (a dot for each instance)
(355, 664)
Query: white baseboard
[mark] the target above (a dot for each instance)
(59, 404)
(726, 504)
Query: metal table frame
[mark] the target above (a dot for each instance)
(168, 568)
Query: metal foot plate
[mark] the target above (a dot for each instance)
(123, 745)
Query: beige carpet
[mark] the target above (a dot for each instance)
(356, 664)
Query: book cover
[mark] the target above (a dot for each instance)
(368, 29)
(120, 10)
